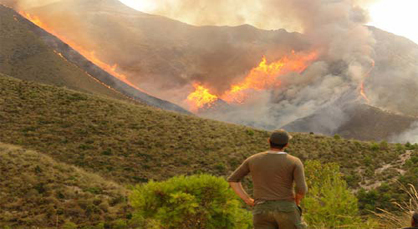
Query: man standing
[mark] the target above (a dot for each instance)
(273, 173)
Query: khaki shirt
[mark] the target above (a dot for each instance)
(273, 174)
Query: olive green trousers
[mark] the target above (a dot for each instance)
(277, 215)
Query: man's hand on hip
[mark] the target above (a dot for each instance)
(239, 190)
(250, 202)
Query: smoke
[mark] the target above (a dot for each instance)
(411, 135)
(334, 28)
(265, 14)
(166, 57)
(27, 4)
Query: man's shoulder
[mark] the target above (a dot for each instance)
(289, 157)
(294, 158)
(257, 155)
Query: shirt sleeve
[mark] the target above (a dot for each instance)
(240, 172)
(299, 176)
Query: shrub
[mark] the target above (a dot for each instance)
(329, 203)
(199, 201)
(337, 137)
(384, 145)
(374, 146)
(250, 132)
(69, 225)
(400, 147)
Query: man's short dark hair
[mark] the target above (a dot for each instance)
(415, 218)
(277, 146)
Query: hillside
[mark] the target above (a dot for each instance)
(30, 53)
(133, 143)
(37, 191)
(166, 57)
(163, 55)
(25, 56)
(130, 144)
(354, 121)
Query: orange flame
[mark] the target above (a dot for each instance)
(90, 55)
(200, 98)
(362, 91)
(264, 76)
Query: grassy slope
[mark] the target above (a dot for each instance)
(133, 143)
(37, 191)
(23, 55)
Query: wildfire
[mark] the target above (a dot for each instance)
(200, 98)
(264, 76)
(362, 91)
(90, 55)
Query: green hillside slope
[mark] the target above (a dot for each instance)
(131, 143)
(37, 191)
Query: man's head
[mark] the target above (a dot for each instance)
(414, 219)
(279, 139)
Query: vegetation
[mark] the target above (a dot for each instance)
(199, 201)
(133, 143)
(329, 203)
(402, 217)
(37, 191)
(130, 143)
(392, 189)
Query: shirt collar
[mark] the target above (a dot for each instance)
(277, 152)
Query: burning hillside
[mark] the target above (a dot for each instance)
(263, 77)
(90, 55)
(204, 67)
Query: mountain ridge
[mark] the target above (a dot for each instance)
(85, 68)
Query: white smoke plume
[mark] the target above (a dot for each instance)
(264, 14)
(26, 4)
(336, 29)
(411, 135)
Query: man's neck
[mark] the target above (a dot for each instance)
(277, 150)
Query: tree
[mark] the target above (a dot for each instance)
(329, 203)
(199, 201)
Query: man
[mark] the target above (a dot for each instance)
(414, 221)
(273, 174)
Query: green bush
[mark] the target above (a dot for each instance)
(199, 201)
(374, 146)
(337, 137)
(384, 145)
(69, 225)
(329, 203)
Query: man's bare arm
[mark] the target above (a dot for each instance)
(298, 198)
(301, 187)
(239, 190)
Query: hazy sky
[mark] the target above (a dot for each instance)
(396, 16)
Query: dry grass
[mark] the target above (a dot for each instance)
(37, 191)
(402, 217)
